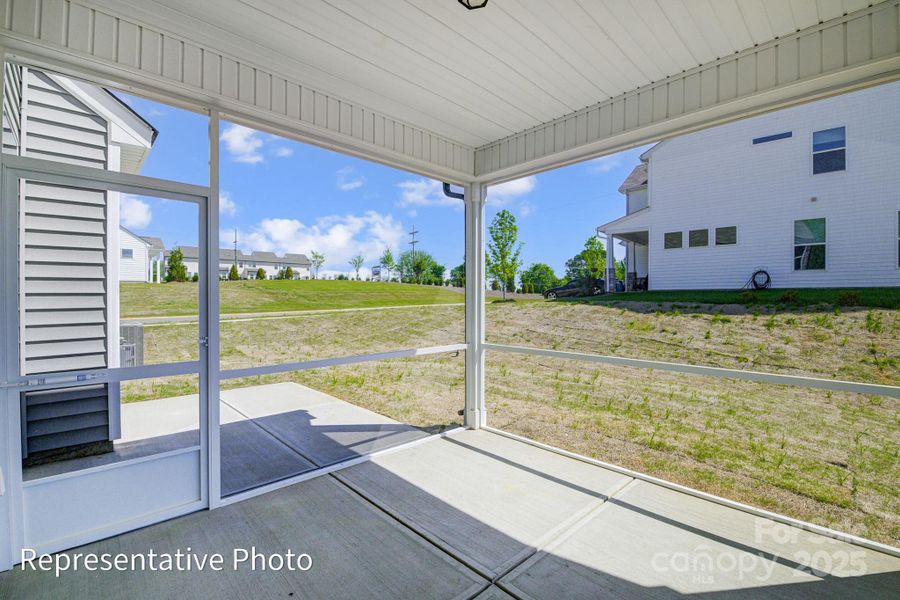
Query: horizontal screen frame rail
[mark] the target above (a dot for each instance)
(343, 360)
(722, 372)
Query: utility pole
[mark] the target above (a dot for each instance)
(413, 243)
(235, 247)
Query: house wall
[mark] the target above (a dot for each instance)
(68, 296)
(717, 177)
(137, 268)
(636, 200)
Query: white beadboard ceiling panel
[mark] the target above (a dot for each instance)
(428, 81)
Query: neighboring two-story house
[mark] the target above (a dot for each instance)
(248, 263)
(810, 194)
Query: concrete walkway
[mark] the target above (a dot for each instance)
(479, 515)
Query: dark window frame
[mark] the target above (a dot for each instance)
(829, 156)
(705, 240)
(811, 248)
(720, 231)
(666, 235)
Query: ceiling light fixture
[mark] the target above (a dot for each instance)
(473, 4)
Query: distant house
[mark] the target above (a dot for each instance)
(247, 264)
(134, 257)
(810, 194)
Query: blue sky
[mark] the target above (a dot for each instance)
(284, 196)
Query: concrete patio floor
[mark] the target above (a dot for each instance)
(479, 515)
(269, 433)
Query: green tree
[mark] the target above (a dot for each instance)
(288, 273)
(589, 265)
(458, 275)
(260, 273)
(233, 273)
(436, 273)
(357, 262)
(620, 270)
(316, 259)
(387, 261)
(175, 269)
(503, 255)
(538, 277)
(417, 268)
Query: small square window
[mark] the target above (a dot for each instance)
(809, 244)
(698, 238)
(829, 150)
(127, 253)
(726, 236)
(672, 240)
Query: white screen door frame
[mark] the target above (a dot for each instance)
(29, 511)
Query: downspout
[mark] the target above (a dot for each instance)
(452, 194)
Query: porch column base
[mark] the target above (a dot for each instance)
(611, 280)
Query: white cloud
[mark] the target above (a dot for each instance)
(134, 213)
(504, 192)
(348, 179)
(243, 144)
(338, 237)
(227, 206)
(525, 208)
(604, 164)
(283, 152)
(425, 192)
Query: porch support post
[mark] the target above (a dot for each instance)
(610, 264)
(210, 329)
(475, 412)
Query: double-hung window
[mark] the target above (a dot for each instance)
(829, 150)
(809, 244)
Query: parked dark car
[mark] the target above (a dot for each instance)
(576, 287)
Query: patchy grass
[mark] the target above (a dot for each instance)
(828, 457)
(169, 299)
(870, 297)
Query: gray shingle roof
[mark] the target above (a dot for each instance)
(635, 179)
(263, 256)
(156, 244)
(296, 259)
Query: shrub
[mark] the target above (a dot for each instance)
(848, 299)
(789, 297)
(260, 273)
(749, 297)
(195, 277)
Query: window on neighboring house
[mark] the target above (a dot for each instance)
(127, 253)
(773, 137)
(809, 244)
(672, 240)
(726, 236)
(698, 238)
(829, 150)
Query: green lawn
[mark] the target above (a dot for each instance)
(870, 297)
(151, 299)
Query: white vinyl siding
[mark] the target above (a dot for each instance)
(134, 258)
(61, 127)
(716, 177)
(64, 261)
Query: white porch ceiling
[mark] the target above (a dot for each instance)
(478, 76)
(495, 93)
